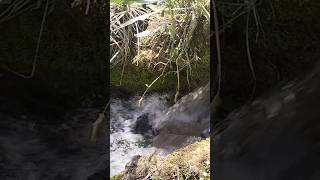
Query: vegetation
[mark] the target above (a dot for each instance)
(190, 162)
(261, 43)
(166, 41)
(247, 29)
(117, 177)
(160, 48)
(64, 50)
(258, 43)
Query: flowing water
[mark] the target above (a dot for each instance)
(34, 147)
(124, 141)
(156, 127)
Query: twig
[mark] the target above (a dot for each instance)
(88, 6)
(155, 80)
(249, 56)
(216, 27)
(178, 81)
(37, 48)
(122, 72)
(148, 175)
(257, 21)
(178, 173)
(98, 122)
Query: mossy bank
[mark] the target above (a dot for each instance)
(134, 78)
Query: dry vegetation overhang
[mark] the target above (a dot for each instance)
(168, 43)
(165, 38)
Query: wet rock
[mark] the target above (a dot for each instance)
(275, 137)
(189, 117)
(142, 125)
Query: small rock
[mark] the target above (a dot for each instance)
(142, 125)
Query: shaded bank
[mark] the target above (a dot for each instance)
(72, 52)
(44, 129)
(43, 137)
(287, 45)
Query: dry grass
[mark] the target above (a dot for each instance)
(171, 28)
(229, 11)
(170, 43)
(190, 162)
(125, 22)
(170, 39)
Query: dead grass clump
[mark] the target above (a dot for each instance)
(125, 22)
(166, 38)
(229, 11)
(190, 162)
(171, 35)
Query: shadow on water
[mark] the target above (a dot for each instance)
(42, 136)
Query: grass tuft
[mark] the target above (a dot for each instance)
(166, 39)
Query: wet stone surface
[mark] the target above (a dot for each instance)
(275, 137)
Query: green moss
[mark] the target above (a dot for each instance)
(124, 1)
(200, 71)
(117, 177)
(135, 77)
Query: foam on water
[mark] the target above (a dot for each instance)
(123, 115)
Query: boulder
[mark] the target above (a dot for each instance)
(188, 118)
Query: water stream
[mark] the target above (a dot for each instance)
(126, 139)
(155, 126)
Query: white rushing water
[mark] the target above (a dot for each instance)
(123, 115)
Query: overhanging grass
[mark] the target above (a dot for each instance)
(168, 48)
